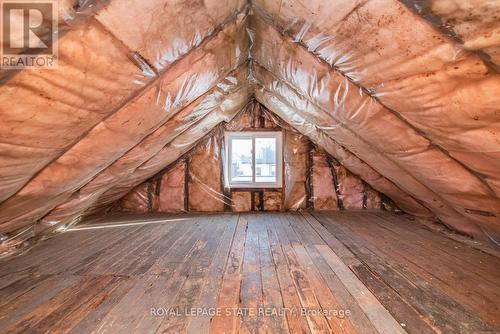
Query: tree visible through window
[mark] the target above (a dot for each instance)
(254, 159)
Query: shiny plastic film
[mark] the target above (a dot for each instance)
(63, 128)
(381, 105)
(472, 23)
(378, 62)
(287, 70)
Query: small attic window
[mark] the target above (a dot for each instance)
(254, 159)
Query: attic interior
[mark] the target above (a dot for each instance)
(264, 166)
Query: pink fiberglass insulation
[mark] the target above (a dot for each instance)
(138, 199)
(270, 201)
(474, 22)
(324, 192)
(172, 186)
(296, 150)
(350, 189)
(373, 200)
(242, 201)
(205, 177)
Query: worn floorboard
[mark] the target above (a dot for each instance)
(335, 272)
(418, 275)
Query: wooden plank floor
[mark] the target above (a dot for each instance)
(346, 272)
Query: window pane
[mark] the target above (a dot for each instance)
(265, 159)
(241, 160)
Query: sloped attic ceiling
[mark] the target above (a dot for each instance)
(411, 110)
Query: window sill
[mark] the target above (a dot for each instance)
(248, 188)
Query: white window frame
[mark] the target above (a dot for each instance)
(253, 135)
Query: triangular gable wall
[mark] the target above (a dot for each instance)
(312, 178)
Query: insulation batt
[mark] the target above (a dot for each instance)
(137, 200)
(171, 194)
(295, 153)
(475, 22)
(241, 201)
(312, 85)
(168, 29)
(205, 181)
(350, 189)
(373, 199)
(180, 85)
(325, 195)
(272, 201)
(374, 40)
